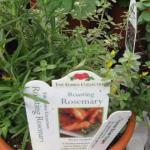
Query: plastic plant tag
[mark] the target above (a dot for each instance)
(80, 115)
(109, 130)
(131, 30)
(77, 107)
(83, 79)
(38, 113)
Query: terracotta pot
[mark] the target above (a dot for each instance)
(4, 145)
(124, 139)
(119, 145)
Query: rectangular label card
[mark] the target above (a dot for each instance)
(131, 30)
(83, 79)
(86, 95)
(80, 115)
(109, 130)
(77, 107)
(39, 114)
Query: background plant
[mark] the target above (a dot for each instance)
(144, 20)
(47, 49)
(123, 3)
(144, 10)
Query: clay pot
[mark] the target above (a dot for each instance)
(126, 136)
(119, 145)
(4, 145)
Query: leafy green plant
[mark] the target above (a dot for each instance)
(123, 3)
(144, 6)
(47, 49)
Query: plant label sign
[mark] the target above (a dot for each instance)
(109, 130)
(38, 114)
(131, 30)
(84, 80)
(77, 107)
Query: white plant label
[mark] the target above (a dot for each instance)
(82, 79)
(78, 105)
(39, 114)
(109, 130)
(131, 30)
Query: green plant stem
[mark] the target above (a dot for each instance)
(10, 22)
(53, 25)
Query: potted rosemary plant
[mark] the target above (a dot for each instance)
(47, 49)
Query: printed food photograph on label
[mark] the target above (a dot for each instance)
(79, 122)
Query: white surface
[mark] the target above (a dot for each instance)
(141, 138)
(147, 147)
(110, 128)
(72, 91)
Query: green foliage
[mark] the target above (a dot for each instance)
(123, 3)
(128, 87)
(68, 4)
(144, 18)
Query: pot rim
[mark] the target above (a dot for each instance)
(119, 145)
(4, 145)
(126, 136)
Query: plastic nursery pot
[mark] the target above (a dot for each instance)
(119, 145)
